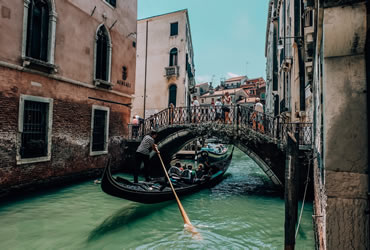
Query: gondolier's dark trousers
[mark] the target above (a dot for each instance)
(139, 157)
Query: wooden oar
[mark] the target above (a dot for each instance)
(188, 224)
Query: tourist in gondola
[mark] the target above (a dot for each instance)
(142, 155)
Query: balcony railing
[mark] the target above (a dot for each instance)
(172, 71)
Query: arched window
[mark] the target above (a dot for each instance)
(173, 57)
(172, 95)
(39, 23)
(102, 54)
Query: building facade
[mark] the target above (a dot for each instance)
(285, 70)
(165, 63)
(329, 53)
(67, 73)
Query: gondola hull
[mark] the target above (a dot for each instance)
(122, 188)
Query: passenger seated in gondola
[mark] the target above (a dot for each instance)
(187, 175)
(174, 171)
(200, 171)
(178, 164)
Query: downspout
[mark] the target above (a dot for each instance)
(284, 74)
(146, 66)
(299, 40)
(367, 54)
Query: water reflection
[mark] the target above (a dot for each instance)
(125, 216)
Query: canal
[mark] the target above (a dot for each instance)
(242, 212)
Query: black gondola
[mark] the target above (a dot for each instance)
(155, 192)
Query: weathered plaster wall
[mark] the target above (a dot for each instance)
(75, 35)
(159, 45)
(345, 126)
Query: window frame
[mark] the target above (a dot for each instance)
(172, 89)
(174, 57)
(49, 126)
(96, 81)
(177, 28)
(51, 34)
(109, 4)
(106, 142)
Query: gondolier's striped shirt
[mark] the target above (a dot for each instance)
(145, 145)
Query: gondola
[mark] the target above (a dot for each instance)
(214, 152)
(155, 191)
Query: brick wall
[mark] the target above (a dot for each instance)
(71, 129)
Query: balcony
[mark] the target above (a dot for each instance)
(172, 71)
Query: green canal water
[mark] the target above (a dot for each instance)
(242, 212)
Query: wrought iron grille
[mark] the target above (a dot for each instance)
(238, 117)
(34, 135)
(100, 121)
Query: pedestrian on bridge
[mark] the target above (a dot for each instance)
(218, 106)
(258, 109)
(226, 107)
(142, 155)
(195, 106)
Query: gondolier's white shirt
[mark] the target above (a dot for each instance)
(145, 145)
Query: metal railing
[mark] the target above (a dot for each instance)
(239, 117)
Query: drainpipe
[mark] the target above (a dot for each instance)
(299, 40)
(367, 54)
(146, 65)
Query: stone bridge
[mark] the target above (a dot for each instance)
(261, 137)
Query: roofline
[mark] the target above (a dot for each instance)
(183, 10)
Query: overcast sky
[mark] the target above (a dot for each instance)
(228, 36)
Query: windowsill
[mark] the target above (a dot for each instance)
(174, 36)
(33, 160)
(94, 153)
(103, 84)
(39, 65)
(111, 6)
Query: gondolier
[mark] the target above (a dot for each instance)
(142, 155)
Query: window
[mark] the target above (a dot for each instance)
(39, 24)
(172, 95)
(111, 2)
(202, 100)
(99, 130)
(103, 52)
(35, 122)
(174, 29)
(173, 57)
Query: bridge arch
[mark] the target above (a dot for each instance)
(265, 143)
(176, 139)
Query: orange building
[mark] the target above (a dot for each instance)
(67, 73)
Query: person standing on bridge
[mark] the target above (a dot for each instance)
(196, 106)
(258, 108)
(226, 107)
(142, 155)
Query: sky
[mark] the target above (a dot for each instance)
(228, 36)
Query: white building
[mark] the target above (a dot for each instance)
(165, 63)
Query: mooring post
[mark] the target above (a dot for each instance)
(291, 199)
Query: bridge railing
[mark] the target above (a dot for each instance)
(236, 116)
